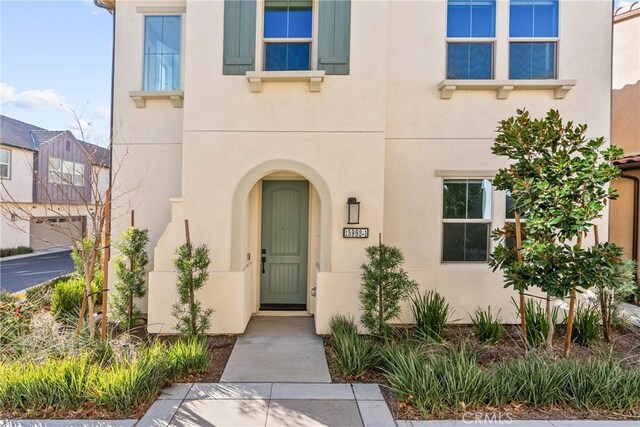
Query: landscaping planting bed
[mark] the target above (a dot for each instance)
(624, 347)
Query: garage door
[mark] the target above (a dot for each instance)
(46, 232)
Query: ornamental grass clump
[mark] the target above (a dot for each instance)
(486, 328)
(431, 312)
(188, 356)
(586, 325)
(354, 354)
(537, 326)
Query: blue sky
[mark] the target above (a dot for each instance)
(56, 55)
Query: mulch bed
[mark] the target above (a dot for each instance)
(625, 345)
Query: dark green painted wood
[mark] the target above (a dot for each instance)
(239, 37)
(334, 36)
(285, 219)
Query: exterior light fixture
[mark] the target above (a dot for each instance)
(353, 211)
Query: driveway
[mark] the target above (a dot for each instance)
(20, 273)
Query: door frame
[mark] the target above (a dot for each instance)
(282, 176)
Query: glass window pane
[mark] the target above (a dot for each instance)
(521, 19)
(545, 18)
(483, 19)
(275, 21)
(459, 19)
(4, 170)
(4, 156)
(532, 60)
(455, 199)
(509, 207)
(286, 56)
(453, 242)
(476, 242)
(479, 199)
(469, 60)
(162, 53)
(300, 22)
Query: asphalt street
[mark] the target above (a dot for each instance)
(19, 274)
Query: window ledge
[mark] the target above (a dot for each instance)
(503, 88)
(140, 97)
(255, 78)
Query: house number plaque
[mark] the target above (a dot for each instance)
(355, 233)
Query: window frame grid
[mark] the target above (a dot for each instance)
(485, 40)
(261, 55)
(144, 42)
(554, 40)
(488, 221)
(8, 163)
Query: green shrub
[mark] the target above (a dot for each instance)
(431, 313)
(586, 325)
(15, 317)
(486, 328)
(354, 354)
(342, 325)
(536, 318)
(66, 300)
(129, 383)
(188, 356)
(20, 250)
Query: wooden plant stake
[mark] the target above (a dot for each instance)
(106, 254)
(380, 287)
(523, 319)
(186, 231)
(572, 309)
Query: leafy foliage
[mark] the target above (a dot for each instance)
(586, 325)
(18, 250)
(192, 265)
(15, 317)
(66, 300)
(85, 246)
(130, 268)
(384, 285)
(431, 312)
(486, 328)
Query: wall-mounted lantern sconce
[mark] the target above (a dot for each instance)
(353, 211)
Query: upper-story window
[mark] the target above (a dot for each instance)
(471, 28)
(466, 218)
(65, 172)
(161, 53)
(5, 163)
(287, 35)
(533, 38)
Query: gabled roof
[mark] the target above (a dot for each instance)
(23, 135)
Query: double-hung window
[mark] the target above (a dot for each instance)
(288, 35)
(466, 219)
(471, 30)
(161, 53)
(66, 172)
(55, 170)
(5, 163)
(533, 39)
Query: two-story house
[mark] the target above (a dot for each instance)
(46, 184)
(625, 128)
(291, 133)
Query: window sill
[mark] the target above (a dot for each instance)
(140, 97)
(255, 78)
(503, 88)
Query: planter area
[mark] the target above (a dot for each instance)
(461, 375)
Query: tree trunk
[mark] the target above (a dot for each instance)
(552, 326)
(572, 309)
(523, 318)
(130, 311)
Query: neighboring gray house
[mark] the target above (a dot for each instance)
(43, 173)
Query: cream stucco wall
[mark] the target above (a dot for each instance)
(18, 188)
(378, 134)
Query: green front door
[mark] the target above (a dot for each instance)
(283, 268)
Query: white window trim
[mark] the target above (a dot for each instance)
(176, 97)
(10, 154)
(465, 220)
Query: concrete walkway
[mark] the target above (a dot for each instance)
(278, 349)
(269, 404)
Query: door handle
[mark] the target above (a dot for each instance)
(264, 259)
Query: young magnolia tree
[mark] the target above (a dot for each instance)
(384, 285)
(558, 180)
(130, 270)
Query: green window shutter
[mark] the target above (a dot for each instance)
(334, 33)
(239, 37)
